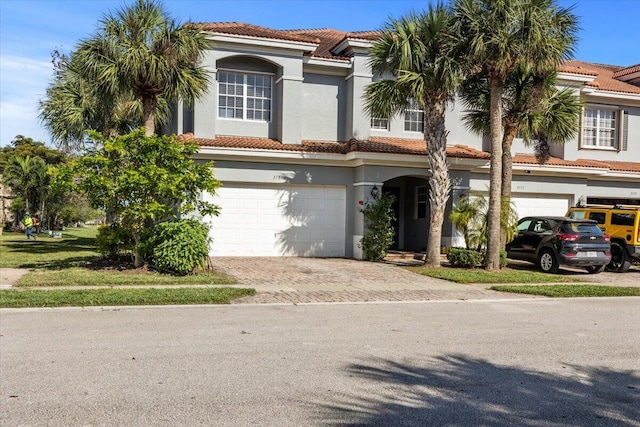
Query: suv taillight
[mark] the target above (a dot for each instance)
(606, 237)
(569, 237)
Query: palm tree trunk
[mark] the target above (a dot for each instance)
(148, 111)
(439, 183)
(510, 132)
(492, 260)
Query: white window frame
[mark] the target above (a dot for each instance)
(245, 98)
(414, 118)
(422, 198)
(597, 140)
(379, 123)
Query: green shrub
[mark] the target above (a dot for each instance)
(379, 233)
(112, 241)
(465, 258)
(470, 258)
(178, 246)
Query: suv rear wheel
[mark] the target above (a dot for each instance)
(620, 262)
(547, 262)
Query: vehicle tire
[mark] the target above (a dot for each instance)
(620, 261)
(595, 269)
(547, 262)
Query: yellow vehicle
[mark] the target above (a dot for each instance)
(622, 223)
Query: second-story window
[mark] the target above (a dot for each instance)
(414, 118)
(599, 128)
(379, 123)
(244, 96)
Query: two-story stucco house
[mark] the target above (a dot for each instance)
(285, 123)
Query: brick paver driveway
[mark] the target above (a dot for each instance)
(313, 280)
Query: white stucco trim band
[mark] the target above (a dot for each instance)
(257, 41)
(370, 184)
(289, 78)
(365, 75)
(584, 78)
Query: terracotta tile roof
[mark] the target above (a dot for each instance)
(364, 35)
(325, 38)
(238, 28)
(625, 71)
(269, 144)
(624, 166)
(374, 145)
(565, 68)
(328, 40)
(529, 159)
(396, 146)
(605, 75)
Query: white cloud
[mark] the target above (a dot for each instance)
(23, 82)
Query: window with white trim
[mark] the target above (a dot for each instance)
(600, 128)
(244, 96)
(422, 197)
(413, 118)
(379, 123)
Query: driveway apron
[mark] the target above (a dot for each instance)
(317, 280)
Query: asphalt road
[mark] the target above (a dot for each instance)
(527, 363)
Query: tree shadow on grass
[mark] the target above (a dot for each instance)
(46, 253)
(457, 390)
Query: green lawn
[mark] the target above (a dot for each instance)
(73, 261)
(568, 291)
(119, 297)
(79, 276)
(478, 275)
(75, 248)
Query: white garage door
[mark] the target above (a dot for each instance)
(540, 204)
(279, 220)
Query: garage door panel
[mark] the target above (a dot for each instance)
(540, 204)
(279, 220)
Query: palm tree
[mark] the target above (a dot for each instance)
(23, 175)
(500, 36)
(533, 107)
(414, 50)
(470, 215)
(140, 53)
(73, 105)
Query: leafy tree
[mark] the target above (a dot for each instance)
(139, 53)
(23, 146)
(143, 180)
(498, 37)
(415, 51)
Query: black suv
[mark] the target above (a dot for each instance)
(550, 241)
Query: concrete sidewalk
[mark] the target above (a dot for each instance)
(9, 276)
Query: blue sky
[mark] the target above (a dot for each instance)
(31, 29)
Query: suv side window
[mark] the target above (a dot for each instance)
(599, 217)
(524, 225)
(623, 219)
(541, 226)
